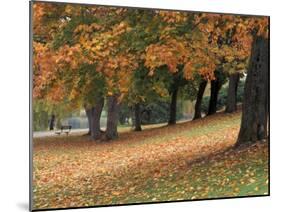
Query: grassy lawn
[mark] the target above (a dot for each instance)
(192, 160)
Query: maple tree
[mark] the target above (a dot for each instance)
(90, 44)
(256, 103)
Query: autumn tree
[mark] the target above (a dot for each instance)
(255, 109)
(200, 93)
(94, 34)
(182, 45)
(239, 38)
(147, 28)
(232, 93)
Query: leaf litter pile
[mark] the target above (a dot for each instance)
(191, 160)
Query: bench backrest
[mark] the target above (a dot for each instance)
(66, 127)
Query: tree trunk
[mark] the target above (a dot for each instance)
(215, 88)
(95, 120)
(201, 90)
(137, 117)
(89, 117)
(52, 122)
(173, 107)
(232, 93)
(255, 104)
(112, 117)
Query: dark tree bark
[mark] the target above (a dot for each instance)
(201, 90)
(89, 118)
(215, 88)
(173, 106)
(232, 93)
(96, 133)
(112, 117)
(132, 115)
(137, 117)
(255, 104)
(52, 122)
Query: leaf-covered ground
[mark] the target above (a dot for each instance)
(192, 160)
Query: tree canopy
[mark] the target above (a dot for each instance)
(82, 52)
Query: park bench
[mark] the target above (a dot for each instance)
(64, 129)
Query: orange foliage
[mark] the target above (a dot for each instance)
(200, 50)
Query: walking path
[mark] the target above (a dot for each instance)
(40, 134)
